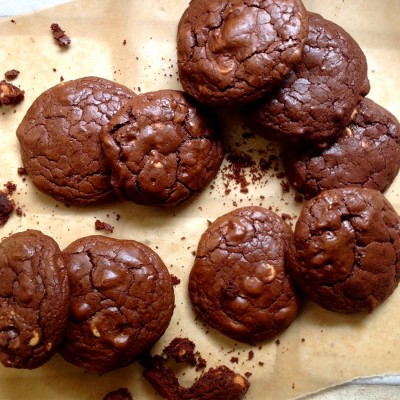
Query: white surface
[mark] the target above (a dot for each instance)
(376, 388)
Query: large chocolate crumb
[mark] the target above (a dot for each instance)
(11, 74)
(59, 35)
(10, 94)
(103, 226)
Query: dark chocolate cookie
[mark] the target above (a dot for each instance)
(348, 247)
(367, 154)
(59, 138)
(232, 52)
(319, 98)
(34, 296)
(122, 301)
(239, 283)
(162, 148)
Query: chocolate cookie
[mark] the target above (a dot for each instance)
(239, 283)
(34, 299)
(122, 301)
(231, 52)
(367, 154)
(162, 149)
(59, 138)
(318, 99)
(348, 247)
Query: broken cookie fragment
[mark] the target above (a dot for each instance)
(10, 94)
(6, 207)
(11, 74)
(59, 35)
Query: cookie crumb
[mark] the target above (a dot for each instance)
(59, 35)
(11, 74)
(10, 94)
(103, 226)
(6, 206)
(175, 280)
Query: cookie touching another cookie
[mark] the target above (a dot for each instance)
(239, 283)
(163, 149)
(34, 299)
(348, 249)
(319, 98)
(122, 300)
(59, 139)
(231, 52)
(367, 154)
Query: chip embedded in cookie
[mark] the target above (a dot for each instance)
(59, 139)
(163, 149)
(348, 249)
(319, 98)
(232, 52)
(34, 298)
(367, 154)
(239, 283)
(122, 301)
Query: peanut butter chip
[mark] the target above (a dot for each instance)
(35, 339)
(238, 380)
(96, 332)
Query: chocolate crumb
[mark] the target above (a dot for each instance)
(6, 206)
(19, 212)
(182, 350)
(11, 74)
(175, 280)
(124, 42)
(251, 355)
(11, 187)
(286, 217)
(248, 374)
(234, 360)
(10, 94)
(277, 342)
(59, 35)
(103, 226)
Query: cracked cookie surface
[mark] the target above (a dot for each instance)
(367, 154)
(348, 249)
(162, 149)
(34, 299)
(122, 300)
(59, 139)
(318, 98)
(239, 283)
(233, 51)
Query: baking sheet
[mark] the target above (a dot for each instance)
(320, 348)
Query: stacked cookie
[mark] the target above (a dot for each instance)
(84, 141)
(100, 302)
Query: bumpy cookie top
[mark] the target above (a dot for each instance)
(59, 138)
(122, 300)
(317, 100)
(162, 148)
(232, 51)
(239, 283)
(348, 246)
(33, 299)
(367, 154)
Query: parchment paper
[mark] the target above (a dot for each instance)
(321, 348)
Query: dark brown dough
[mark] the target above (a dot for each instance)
(367, 154)
(231, 52)
(59, 138)
(239, 283)
(122, 300)
(119, 394)
(162, 148)
(34, 296)
(348, 247)
(318, 99)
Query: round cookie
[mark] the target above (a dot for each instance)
(348, 249)
(231, 52)
(59, 139)
(238, 283)
(319, 97)
(34, 299)
(162, 148)
(122, 301)
(367, 154)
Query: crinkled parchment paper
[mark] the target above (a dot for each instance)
(320, 348)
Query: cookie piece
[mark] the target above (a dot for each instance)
(162, 148)
(239, 284)
(122, 301)
(348, 247)
(231, 52)
(59, 138)
(10, 94)
(6, 207)
(318, 99)
(367, 154)
(34, 296)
